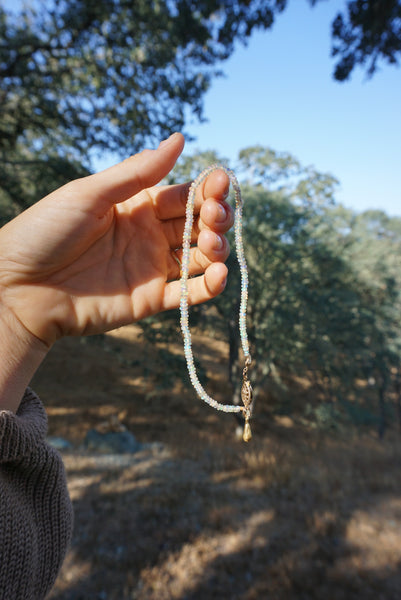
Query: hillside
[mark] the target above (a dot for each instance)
(298, 513)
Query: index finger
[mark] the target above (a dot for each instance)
(122, 181)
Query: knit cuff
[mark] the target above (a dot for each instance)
(22, 432)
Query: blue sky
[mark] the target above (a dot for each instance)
(279, 92)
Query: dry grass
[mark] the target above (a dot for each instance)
(295, 514)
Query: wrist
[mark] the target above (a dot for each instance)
(21, 353)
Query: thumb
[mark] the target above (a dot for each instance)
(138, 172)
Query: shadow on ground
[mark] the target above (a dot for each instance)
(295, 514)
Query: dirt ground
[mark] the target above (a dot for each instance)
(295, 514)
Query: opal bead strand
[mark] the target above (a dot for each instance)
(246, 390)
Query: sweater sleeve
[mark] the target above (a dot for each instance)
(35, 509)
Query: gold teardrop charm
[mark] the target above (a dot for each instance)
(247, 432)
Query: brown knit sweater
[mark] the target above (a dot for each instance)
(35, 509)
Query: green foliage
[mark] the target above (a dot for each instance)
(360, 413)
(364, 33)
(79, 77)
(325, 416)
(370, 31)
(324, 295)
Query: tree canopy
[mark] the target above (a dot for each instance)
(370, 31)
(84, 76)
(79, 77)
(324, 290)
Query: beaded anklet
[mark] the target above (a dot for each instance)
(246, 389)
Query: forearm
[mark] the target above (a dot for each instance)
(21, 353)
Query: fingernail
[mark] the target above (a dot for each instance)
(218, 243)
(224, 283)
(222, 215)
(167, 141)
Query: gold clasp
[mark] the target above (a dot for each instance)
(247, 400)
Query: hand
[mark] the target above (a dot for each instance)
(99, 252)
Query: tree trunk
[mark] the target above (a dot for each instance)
(382, 409)
(397, 386)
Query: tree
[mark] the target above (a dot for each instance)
(325, 286)
(302, 294)
(324, 292)
(375, 252)
(370, 31)
(290, 267)
(79, 77)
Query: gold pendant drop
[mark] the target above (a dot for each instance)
(247, 436)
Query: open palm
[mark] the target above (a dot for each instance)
(99, 252)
